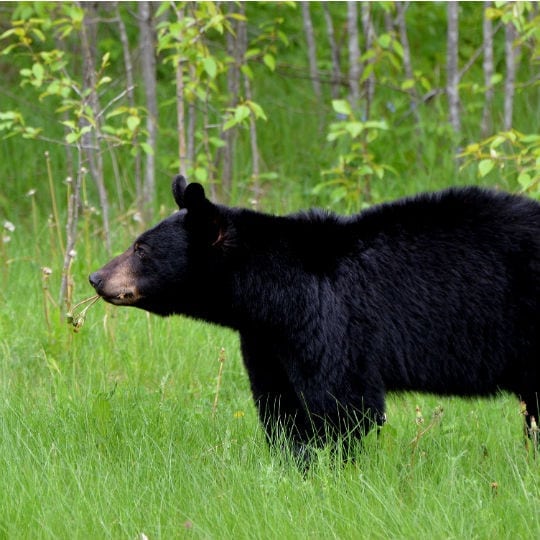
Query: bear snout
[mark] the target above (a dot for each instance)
(115, 284)
(95, 280)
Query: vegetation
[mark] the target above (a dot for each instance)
(140, 427)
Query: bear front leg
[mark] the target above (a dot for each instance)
(281, 413)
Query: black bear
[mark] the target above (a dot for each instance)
(437, 293)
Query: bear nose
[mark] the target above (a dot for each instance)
(95, 280)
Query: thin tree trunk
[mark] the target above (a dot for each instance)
(312, 50)
(452, 66)
(192, 117)
(180, 108)
(90, 140)
(510, 49)
(254, 148)
(354, 54)
(210, 165)
(367, 26)
(180, 117)
(68, 166)
(407, 63)
(148, 62)
(255, 157)
(334, 51)
(130, 85)
(236, 51)
(388, 22)
(488, 67)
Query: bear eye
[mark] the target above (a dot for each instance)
(139, 251)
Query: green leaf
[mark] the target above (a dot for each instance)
(497, 141)
(492, 13)
(341, 106)
(39, 72)
(133, 122)
(269, 61)
(398, 48)
(69, 124)
(471, 149)
(485, 166)
(376, 124)
(229, 124)
(246, 70)
(105, 60)
(162, 8)
(72, 137)
(241, 113)
(216, 142)
(250, 53)
(385, 40)
(496, 78)
(407, 84)
(368, 71)
(256, 109)
(104, 80)
(9, 115)
(201, 174)
(525, 180)
(530, 139)
(8, 33)
(338, 194)
(372, 135)
(354, 128)
(147, 149)
(210, 66)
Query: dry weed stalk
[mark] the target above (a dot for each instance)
(421, 431)
(221, 360)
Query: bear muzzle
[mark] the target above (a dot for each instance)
(114, 288)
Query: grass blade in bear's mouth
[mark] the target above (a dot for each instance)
(76, 318)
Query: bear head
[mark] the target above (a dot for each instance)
(170, 268)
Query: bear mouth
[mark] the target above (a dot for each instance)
(126, 298)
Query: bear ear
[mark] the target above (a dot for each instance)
(194, 197)
(202, 215)
(188, 196)
(179, 185)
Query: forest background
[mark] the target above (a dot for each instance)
(137, 426)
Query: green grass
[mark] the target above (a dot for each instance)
(111, 433)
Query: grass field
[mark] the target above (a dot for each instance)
(122, 430)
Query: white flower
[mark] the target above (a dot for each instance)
(9, 226)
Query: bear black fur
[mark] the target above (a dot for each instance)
(437, 293)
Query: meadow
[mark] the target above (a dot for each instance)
(140, 427)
